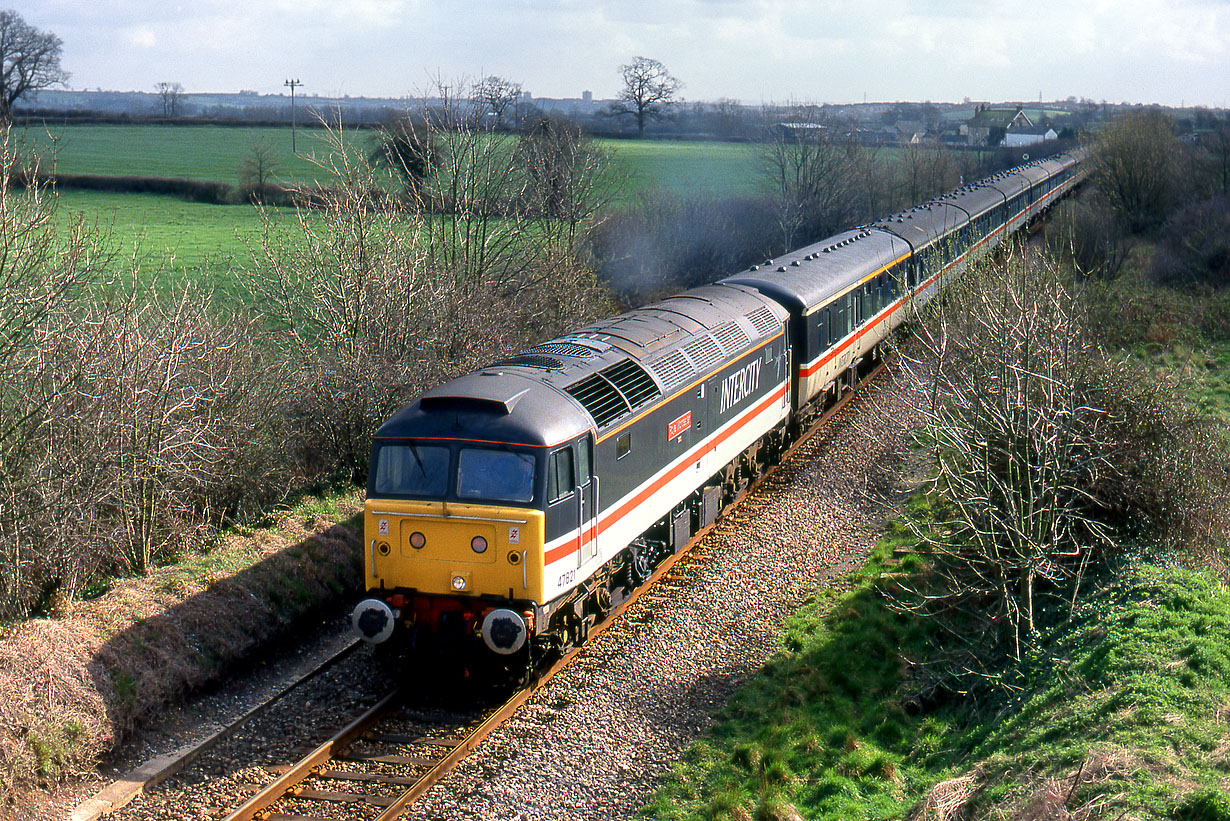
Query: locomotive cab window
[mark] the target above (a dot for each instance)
(560, 484)
(411, 470)
(497, 475)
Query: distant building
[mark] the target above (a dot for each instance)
(989, 125)
(1029, 136)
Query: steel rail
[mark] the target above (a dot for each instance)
(305, 766)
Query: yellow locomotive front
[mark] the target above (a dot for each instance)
(454, 522)
(453, 548)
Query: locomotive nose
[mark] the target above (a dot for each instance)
(372, 620)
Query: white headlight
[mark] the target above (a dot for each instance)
(459, 582)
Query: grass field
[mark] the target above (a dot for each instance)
(216, 153)
(168, 233)
(689, 168)
(197, 239)
(197, 152)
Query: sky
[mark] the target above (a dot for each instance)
(1172, 52)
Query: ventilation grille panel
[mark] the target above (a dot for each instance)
(763, 321)
(631, 380)
(599, 397)
(564, 349)
(731, 337)
(533, 360)
(673, 369)
(614, 391)
(705, 353)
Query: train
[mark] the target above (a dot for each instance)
(510, 509)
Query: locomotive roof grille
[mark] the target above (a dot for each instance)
(564, 349)
(731, 337)
(673, 369)
(614, 391)
(704, 353)
(532, 360)
(599, 397)
(632, 381)
(763, 321)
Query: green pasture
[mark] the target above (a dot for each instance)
(171, 239)
(711, 169)
(197, 152)
(171, 235)
(217, 153)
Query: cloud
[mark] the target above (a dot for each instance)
(142, 37)
(748, 49)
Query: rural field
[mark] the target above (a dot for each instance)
(215, 153)
(169, 234)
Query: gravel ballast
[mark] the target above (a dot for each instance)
(593, 742)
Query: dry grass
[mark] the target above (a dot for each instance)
(1080, 795)
(73, 687)
(947, 800)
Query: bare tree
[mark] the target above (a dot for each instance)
(406, 145)
(649, 91)
(29, 61)
(873, 195)
(1047, 453)
(259, 165)
(171, 95)
(494, 96)
(568, 178)
(927, 169)
(808, 172)
(1218, 144)
(1134, 163)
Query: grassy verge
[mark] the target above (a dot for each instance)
(73, 686)
(1182, 335)
(1123, 716)
(199, 152)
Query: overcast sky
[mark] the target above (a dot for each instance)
(1164, 51)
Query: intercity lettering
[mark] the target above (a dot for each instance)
(739, 385)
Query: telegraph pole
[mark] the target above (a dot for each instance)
(292, 84)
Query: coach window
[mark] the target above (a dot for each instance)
(560, 483)
(623, 445)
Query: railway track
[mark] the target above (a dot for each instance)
(380, 763)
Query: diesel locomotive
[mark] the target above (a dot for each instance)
(511, 508)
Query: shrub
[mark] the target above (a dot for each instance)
(1086, 233)
(1050, 455)
(1195, 246)
(216, 193)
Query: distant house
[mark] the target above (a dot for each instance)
(910, 132)
(1029, 136)
(990, 126)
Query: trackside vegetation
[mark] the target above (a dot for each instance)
(1119, 714)
(1044, 631)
